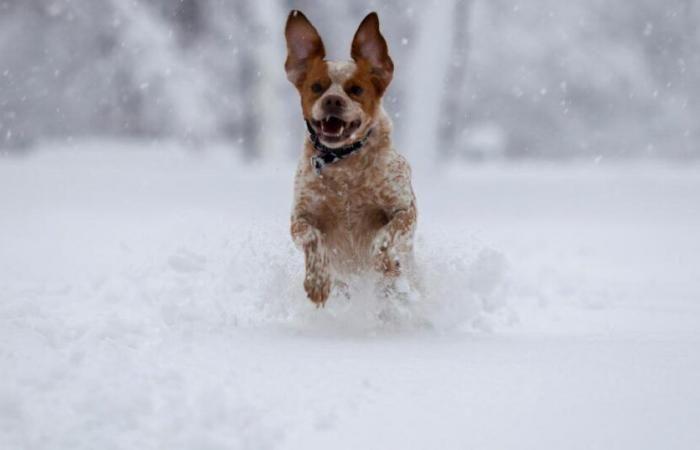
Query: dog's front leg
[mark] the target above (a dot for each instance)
(394, 242)
(317, 281)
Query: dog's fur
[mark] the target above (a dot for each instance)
(359, 213)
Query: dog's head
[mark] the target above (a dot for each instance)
(338, 99)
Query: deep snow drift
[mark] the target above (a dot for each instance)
(151, 298)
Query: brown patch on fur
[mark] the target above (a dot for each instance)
(317, 73)
(371, 96)
(304, 47)
(369, 48)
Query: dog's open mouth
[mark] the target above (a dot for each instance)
(333, 129)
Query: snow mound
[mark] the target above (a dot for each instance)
(256, 281)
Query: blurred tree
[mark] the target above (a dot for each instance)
(477, 77)
(454, 116)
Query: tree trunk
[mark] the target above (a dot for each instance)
(454, 114)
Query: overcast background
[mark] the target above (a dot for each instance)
(474, 78)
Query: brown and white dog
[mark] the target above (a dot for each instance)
(354, 208)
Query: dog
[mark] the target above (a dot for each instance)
(354, 207)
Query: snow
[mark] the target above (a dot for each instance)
(150, 297)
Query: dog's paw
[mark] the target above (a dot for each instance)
(318, 288)
(383, 258)
(317, 281)
(386, 263)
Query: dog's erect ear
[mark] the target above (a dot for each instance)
(303, 46)
(369, 45)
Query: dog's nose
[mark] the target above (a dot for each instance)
(334, 104)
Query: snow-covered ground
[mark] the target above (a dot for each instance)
(151, 298)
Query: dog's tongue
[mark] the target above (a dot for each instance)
(332, 125)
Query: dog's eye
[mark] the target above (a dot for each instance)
(356, 90)
(316, 88)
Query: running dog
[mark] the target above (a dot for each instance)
(354, 207)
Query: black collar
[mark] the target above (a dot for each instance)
(327, 155)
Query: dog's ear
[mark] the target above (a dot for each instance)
(304, 45)
(369, 45)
